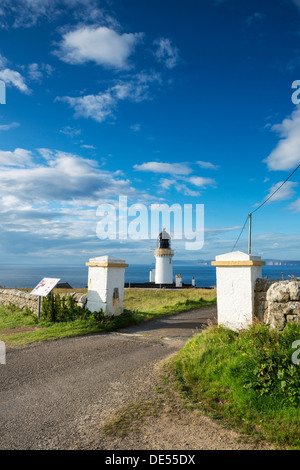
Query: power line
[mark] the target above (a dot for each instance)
(240, 233)
(262, 204)
(276, 190)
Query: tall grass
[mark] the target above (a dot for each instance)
(246, 378)
(61, 318)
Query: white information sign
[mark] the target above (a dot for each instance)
(45, 286)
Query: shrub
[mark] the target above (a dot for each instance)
(64, 309)
(247, 378)
(61, 309)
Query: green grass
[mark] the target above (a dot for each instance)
(140, 305)
(150, 303)
(247, 379)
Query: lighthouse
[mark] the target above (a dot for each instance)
(163, 259)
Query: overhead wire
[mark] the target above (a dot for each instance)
(263, 203)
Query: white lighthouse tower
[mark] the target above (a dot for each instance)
(163, 259)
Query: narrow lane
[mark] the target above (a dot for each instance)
(56, 394)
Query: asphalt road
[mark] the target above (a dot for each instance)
(56, 395)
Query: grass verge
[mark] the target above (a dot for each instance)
(20, 327)
(247, 379)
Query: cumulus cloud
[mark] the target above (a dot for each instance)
(98, 107)
(161, 167)
(50, 203)
(102, 105)
(18, 157)
(179, 177)
(286, 154)
(201, 181)
(15, 79)
(62, 177)
(101, 45)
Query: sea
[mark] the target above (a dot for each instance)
(76, 276)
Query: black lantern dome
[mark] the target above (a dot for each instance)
(163, 240)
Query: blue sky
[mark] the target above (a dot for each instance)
(162, 101)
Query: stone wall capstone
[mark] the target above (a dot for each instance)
(277, 302)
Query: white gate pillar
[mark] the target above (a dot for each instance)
(236, 276)
(106, 285)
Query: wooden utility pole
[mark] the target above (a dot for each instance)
(250, 223)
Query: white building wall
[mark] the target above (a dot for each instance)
(152, 275)
(163, 270)
(106, 285)
(236, 275)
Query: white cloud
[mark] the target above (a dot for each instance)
(207, 165)
(160, 167)
(50, 206)
(166, 52)
(98, 107)
(179, 180)
(184, 189)
(135, 127)
(3, 61)
(286, 155)
(101, 106)
(89, 147)
(201, 181)
(284, 193)
(8, 127)
(14, 78)
(295, 206)
(70, 131)
(19, 157)
(101, 45)
(62, 177)
(27, 13)
(36, 71)
(166, 183)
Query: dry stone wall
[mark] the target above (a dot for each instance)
(277, 302)
(22, 299)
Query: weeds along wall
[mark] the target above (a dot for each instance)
(22, 299)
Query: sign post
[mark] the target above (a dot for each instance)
(39, 307)
(43, 289)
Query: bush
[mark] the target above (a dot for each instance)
(62, 309)
(247, 378)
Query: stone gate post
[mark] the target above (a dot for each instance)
(236, 276)
(106, 285)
